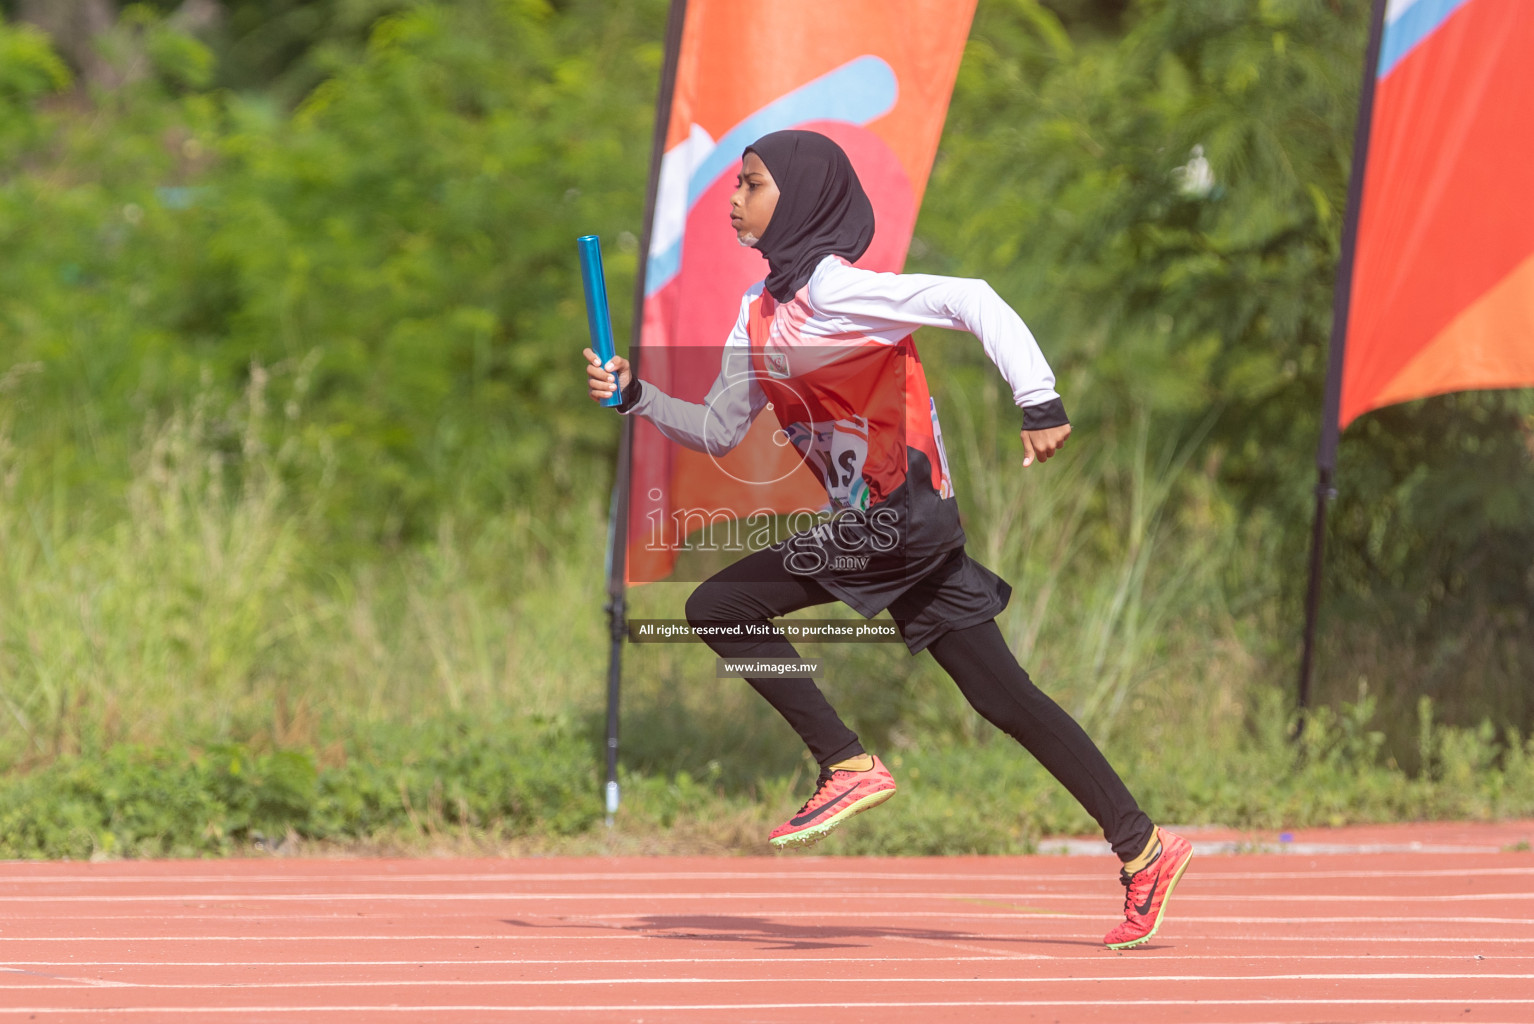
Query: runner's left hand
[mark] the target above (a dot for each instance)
(1039, 445)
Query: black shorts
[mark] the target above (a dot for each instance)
(959, 592)
(926, 596)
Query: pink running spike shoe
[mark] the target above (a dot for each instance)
(1147, 892)
(838, 796)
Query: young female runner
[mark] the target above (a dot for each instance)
(827, 348)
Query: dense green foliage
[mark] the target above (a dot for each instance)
(1169, 207)
(466, 783)
(400, 241)
(449, 773)
(293, 444)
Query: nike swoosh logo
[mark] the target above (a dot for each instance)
(1150, 897)
(823, 808)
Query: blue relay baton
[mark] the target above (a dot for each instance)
(598, 320)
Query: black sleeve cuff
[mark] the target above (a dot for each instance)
(1042, 417)
(631, 395)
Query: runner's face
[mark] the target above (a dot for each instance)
(754, 200)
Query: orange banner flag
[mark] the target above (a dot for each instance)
(1443, 281)
(875, 76)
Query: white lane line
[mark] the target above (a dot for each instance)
(586, 919)
(1407, 873)
(610, 934)
(1477, 940)
(60, 981)
(739, 897)
(1214, 869)
(1161, 955)
(1475, 897)
(728, 924)
(553, 916)
(1072, 979)
(731, 959)
(235, 913)
(630, 1008)
(606, 936)
(699, 920)
(528, 897)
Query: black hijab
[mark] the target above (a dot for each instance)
(822, 208)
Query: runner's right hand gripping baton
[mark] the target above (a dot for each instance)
(598, 320)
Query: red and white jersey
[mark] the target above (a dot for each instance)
(838, 368)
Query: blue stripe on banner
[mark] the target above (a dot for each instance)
(1415, 24)
(663, 266)
(857, 92)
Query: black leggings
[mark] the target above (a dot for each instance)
(756, 589)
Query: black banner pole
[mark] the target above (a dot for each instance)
(618, 511)
(1326, 452)
(617, 612)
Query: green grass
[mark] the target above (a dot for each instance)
(517, 784)
(184, 670)
(201, 602)
(458, 776)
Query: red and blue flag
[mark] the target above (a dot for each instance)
(1443, 280)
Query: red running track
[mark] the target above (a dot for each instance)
(1429, 923)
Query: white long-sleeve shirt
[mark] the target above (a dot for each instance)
(846, 300)
(837, 353)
